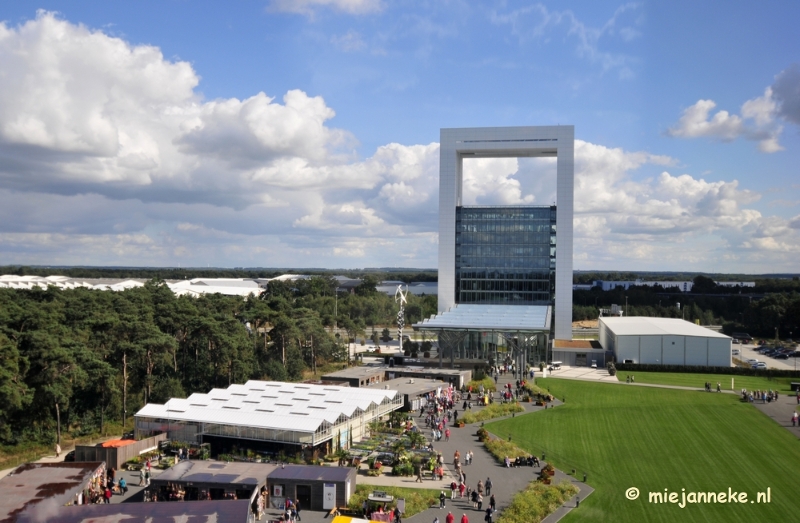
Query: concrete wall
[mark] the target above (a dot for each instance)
(673, 350)
(508, 142)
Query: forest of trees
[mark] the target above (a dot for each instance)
(773, 305)
(70, 360)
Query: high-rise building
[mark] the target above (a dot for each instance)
(507, 255)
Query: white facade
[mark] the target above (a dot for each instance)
(664, 341)
(508, 142)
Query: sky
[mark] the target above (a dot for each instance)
(304, 133)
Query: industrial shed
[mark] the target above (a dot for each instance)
(664, 341)
(317, 488)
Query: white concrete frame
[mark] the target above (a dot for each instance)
(508, 142)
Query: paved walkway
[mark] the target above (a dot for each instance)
(507, 481)
(781, 411)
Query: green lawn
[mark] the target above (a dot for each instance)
(656, 439)
(698, 380)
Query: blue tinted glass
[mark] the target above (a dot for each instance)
(505, 255)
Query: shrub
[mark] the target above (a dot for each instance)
(536, 502)
(495, 410)
(487, 382)
(403, 469)
(500, 448)
(483, 434)
(426, 354)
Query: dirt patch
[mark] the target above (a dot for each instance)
(584, 324)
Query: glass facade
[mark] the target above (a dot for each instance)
(506, 255)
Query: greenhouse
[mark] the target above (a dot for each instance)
(299, 414)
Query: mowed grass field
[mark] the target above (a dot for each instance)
(655, 439)
(698, 380)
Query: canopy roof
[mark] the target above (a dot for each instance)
(507, 318)
(300, 407)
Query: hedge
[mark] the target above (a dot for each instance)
(494, 410)
(736, 371)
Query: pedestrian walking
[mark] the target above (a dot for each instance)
(123, 486)
(297, 509)
(488, 517)
(58, 450)
(480, 502)
(442, 497)
(147, 478)
(492, 503)
(450, 518)
(488, 485)
(464, 519)
(107, 496)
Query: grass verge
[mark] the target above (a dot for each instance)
(495, 410)
(698, 380)
(656, 439)
(537, 502)
(417, 500)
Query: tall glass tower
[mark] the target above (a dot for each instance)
(505, 255)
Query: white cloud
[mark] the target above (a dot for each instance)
(309, 7)
(759, 116)
(535, 22)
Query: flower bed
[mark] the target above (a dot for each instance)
(536, 502)
(500, 448)
(417, 500)
(495, 410)
(487, 382)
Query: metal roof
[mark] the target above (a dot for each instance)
(221, 511)
(311, 472)
(197, 471)
(300, 407)
(646, 326)
(490, 317)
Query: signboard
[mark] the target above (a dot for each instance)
(328, 496)
(401, 505)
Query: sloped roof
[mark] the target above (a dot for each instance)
(300, 407)
(490, 317)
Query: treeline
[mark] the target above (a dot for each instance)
(176, 273)
(764, 315)
(70, 360)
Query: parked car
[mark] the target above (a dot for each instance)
(782, 356)
(736, 352)
(70, 456)
(760, 365)
(386, 458)
(751, 361)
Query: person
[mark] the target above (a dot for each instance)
(147, 478)
(794, 418)
(718, 387)
(141, 477)
(450, 517)
(474, 499)
(479, 487)
(107, 496)
(447, 434)
(58, 450)
(488, 517)
(453, 488)
(297, 509)
(461, 489)
(480, 502)
(492, 503)
(488, 485)
(123, 486)
(464, 518)
(442, 497)
(435, 520)
(419, 474)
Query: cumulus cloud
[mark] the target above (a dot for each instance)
(108, 155)
(759, 120)
(786, 91)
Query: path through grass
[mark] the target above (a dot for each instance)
(655, 439)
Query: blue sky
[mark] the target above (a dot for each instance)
(304, 133)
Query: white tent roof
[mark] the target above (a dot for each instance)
(271, 404)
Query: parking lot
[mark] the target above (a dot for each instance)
(751, 352)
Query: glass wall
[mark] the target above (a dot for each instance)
(505, 255)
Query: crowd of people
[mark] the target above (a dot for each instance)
(765, 396)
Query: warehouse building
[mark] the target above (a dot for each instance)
(663, 341)
(270, 416)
